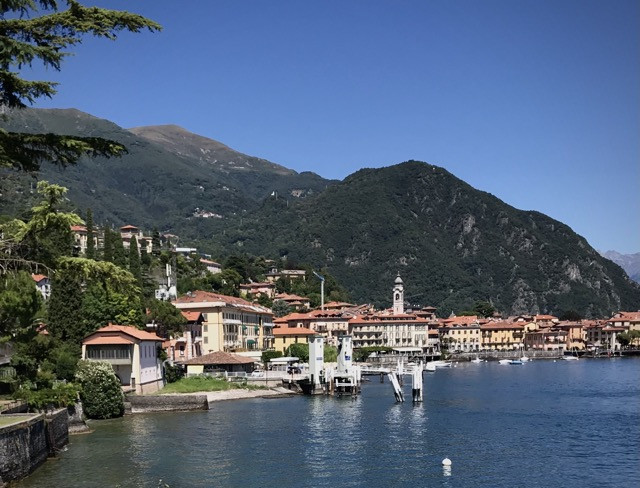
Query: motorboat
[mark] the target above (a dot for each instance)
(504, 361)
(477, 360)
(524, 359)
(515, 361)
(570, 358)
(430, 367)
(441, 364)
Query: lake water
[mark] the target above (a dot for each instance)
(543, 424)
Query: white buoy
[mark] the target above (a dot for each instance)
(446, 462)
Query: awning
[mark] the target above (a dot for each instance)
(251, 341)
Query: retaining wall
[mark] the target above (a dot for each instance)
(167, 403)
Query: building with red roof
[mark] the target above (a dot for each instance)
(286, 336)
(133, 354)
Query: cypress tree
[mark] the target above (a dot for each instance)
(91, 247)
(119, 256)
(155, 242)
(107, 250)
(145, 259)
(63, 307)
(134, 260)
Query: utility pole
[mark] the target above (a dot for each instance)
(321, 278)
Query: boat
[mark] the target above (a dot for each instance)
(477, 360)
(524, 359)
(504, 361)
(570, 358)
(430, 367)
(441, 364)
(515, 361)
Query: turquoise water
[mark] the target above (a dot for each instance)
(543, 424)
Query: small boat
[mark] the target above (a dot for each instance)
(524, 359)
(441, 364)
(477, 360)
(570, 358)
(515, 361)
(430, 367)
(504, 361)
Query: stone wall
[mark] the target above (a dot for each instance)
(26, 444)
(167, 403)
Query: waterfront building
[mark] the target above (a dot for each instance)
(229, 323)
(43, 285)
(461, 334)
(286, 336)
(188, 345)
(546, 339)
(331, 324)
(629, 320)
(603, 335)
(502, 335)
(133, 354)
(219, 362)
(576, 339)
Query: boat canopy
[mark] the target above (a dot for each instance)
(284, 360)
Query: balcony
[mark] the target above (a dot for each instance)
(231, 322)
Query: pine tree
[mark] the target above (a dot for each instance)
(28, 38)
(107, 250)
(91, 246)
(119, 256)
(134, 260)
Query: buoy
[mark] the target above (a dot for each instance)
(446, 462)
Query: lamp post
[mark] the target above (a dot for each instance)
(321, 278)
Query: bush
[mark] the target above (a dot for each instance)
(58, 396)
(269, 355)
(173, 373)
(101, 393)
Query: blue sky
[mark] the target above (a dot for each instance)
(536, 102)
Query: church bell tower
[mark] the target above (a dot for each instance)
(398, 296)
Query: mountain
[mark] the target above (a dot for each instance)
(629, 262)
(170, 178)
(451, 243)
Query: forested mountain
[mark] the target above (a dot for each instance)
(451, 243)
(167, 174)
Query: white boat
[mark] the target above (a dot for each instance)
(441, 364)
(524, 359)
(570, 358)
(504, 361)
(477, 360)
(430, 367)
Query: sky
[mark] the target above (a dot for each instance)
(534, 101)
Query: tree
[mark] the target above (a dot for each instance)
(298, 350)
(63, 306)
(280, 308)
(28, 38)
(570, 315)
(134, 260)
(91, 245)
(484, 309)
(20, 302)
(167, 317)
(119, 256)
(107, 249)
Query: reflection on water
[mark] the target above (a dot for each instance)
(537, 425)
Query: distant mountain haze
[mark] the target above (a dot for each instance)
(452, 244)
(629, 262)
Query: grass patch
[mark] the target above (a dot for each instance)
(6, 419)
(205, 383)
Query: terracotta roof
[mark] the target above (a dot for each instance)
(387, 319)
(191, 316)
(219, 357)
(502, 325)
(281, 331)
(124, 329)
(78, 228)
(128, 227)
(288, 298)
(200, 296)
(38, 277)
(462, 320)
(265, 284)
(206, 261)
(545, 317)
(102, 340)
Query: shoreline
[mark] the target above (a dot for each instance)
(237, 394)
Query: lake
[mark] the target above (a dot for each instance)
(542, 424)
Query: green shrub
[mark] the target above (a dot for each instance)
(58, 396)
(269, 355)
(101, 393)
(173, 373)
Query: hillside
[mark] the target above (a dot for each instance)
(451, 243)
(167, 174)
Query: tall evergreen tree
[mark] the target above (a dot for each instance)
(107, 249)
(145, 259)
(64, 306)
(155, 242)
(134, 260)
(119, 256)
(91, 246)
(29, 38)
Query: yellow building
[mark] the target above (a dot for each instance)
(502, 336)
(286, 336)
(460, 334)
(229, 323)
